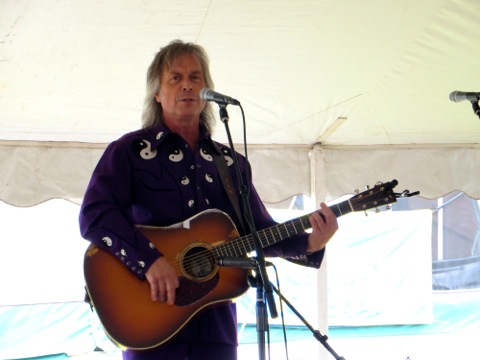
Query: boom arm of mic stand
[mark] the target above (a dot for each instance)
(316, 333)
(476, 108)
(267, 285)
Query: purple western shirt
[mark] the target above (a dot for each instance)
(152, 177)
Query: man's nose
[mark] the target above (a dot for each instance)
(186, 86)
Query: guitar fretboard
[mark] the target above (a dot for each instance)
(272, 235)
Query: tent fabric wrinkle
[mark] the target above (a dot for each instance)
(343, 74)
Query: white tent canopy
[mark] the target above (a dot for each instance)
(339, 93)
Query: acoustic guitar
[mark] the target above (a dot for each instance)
(122, 301)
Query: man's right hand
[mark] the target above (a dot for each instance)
(163, 281)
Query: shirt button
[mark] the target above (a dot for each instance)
(192, 167)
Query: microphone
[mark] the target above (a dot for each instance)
(241, 262)
(457, 96)
(210, 95)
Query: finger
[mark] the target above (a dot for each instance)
(325, 212)
(323, 215)
(317, 220)
(170, 294)
(163, 291)
(153, 292)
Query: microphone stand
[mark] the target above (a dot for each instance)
(316, 333)
(264, 289)
(476, 108)
(262, 319)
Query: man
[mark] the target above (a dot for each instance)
(164, 174)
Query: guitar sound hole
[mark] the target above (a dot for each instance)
(199, 263)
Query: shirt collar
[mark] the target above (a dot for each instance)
(160, 133)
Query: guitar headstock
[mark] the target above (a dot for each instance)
(381, 194)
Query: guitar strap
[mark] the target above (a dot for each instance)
(227, 182)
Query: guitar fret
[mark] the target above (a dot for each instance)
(339, 210)
(286, 229)
(296, 224)
(267, 238)
(271, 233)
(305, 223)
(244, 247)
(259, 234)
(227, 250)
(217, 251)
(271, 237)
(250, 243)
(232, 249)
(222, 250)
(240, 252)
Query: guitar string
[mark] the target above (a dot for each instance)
(206, 256)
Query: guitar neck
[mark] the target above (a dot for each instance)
(274, 234)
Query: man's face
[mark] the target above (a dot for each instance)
(180, 86)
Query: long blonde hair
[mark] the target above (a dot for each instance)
(152, 110)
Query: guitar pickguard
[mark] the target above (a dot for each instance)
(190, 291)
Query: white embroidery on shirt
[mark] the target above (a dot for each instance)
(205, 155)
(176, 156)
(147, 153)
(108, 241)
(185, 180)
(228, 158)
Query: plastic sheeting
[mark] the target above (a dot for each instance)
(379, 273)
(454, 274)
(379, 270)
(42, 254)
(29, 331)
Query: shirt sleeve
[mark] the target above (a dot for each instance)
(104, 217)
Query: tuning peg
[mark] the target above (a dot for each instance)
(356, 191)
(366, 214)
(377, 210)
(388, 207)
